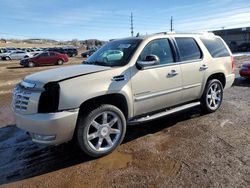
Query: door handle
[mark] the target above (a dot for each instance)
(203, 67)
(172, 73)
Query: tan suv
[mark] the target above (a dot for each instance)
(143, 78)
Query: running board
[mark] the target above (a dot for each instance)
(163, 113)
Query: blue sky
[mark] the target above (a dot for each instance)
(106, 19)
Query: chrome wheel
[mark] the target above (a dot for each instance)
(104, 131)
(31, 64)
(60, 62)
(214, 96)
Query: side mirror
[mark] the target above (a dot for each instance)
(149, 60)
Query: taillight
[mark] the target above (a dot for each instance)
(232, 62)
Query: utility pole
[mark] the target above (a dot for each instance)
(132, 24)
(171, 24)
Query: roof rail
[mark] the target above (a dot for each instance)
(173, 32)
(165, 33)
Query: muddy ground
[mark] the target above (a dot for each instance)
(186, 149)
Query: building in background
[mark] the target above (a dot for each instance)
(237, 39)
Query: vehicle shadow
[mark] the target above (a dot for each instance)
(21, 158)
(242, 82)
(16, 67)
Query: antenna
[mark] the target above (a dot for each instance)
(171, 24)
(132, 24)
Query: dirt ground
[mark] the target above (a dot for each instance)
(186, 149)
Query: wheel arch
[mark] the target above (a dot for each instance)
(217, 75)
(116, 99)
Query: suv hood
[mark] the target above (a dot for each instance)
(58, 74)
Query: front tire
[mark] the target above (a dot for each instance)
(31, 64)
(101, 131)
(7, 58)
(212, 96)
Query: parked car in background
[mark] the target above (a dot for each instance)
(244, 47)
(58, 50)
(2, 50)
(11, 48)
(71, 52)
(33, 52)
(12, 55)
(111, 55)
(45, 58)
(88, 53)
(245, 70)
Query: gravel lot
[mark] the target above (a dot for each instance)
(186, 149)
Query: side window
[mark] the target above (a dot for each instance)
(161, 48)
(44, 55)
(188, 48)
(216, 47)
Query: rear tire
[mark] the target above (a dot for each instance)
(7, 58)
(101, 130)
(212, 96)
(60, 62)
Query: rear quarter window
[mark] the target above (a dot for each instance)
(189, 49)
(216, 47)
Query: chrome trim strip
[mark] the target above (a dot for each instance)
(191, 86)
(161, 65)
(165, 92)
(157, 94)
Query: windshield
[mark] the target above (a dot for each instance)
(114, 53)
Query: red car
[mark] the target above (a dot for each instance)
(45, 58)
(245, 70)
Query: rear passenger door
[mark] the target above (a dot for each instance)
(193, 67)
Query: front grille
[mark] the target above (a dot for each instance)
(21, 99)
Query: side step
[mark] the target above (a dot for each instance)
(163, 113)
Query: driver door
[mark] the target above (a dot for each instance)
(159, 86)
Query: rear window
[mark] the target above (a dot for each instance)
(188, 48)
(216, 47)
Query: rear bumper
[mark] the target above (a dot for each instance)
(229, 80)
(58, 127)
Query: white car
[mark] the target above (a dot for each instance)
(15, 55)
